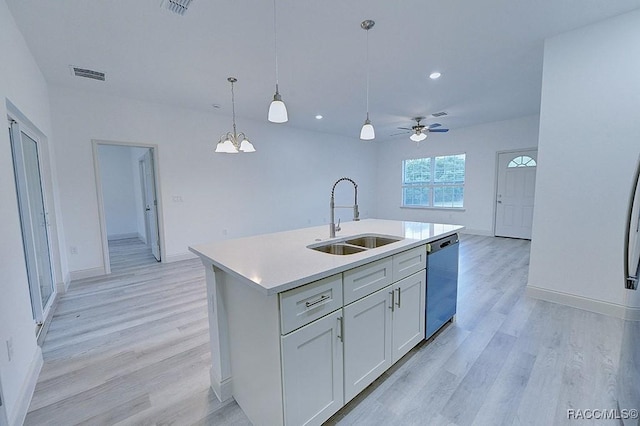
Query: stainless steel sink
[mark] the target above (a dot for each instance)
(372, 241)
(354, 244)
(338, 248)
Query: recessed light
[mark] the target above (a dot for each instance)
(319, 117)
(434, 75)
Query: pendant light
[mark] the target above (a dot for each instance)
(233, 143)
(367, 133)
(277, 109)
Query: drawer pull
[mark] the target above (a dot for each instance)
(315, 302)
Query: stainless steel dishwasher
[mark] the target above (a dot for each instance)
(442, 282)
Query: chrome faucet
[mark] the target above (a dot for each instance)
(333, 228)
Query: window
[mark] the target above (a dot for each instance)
(522, 161)
(433, 182)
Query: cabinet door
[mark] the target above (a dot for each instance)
(312, 368)
(367, 341)
(408, 313)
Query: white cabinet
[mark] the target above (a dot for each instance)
(366, 279)
(341, 333)
(367, 341)
(312, 371)
(408, 313)
(409, 262)
(304, 304)
(381, 328)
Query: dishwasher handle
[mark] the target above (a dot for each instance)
(442, 243)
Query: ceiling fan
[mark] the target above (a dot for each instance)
(419, 131)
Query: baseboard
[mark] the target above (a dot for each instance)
(585, 303)
(632, 314)
(482, 232)
(86, 273)
(142, 238)
(26, 392)
(178, 257)
(123, 236)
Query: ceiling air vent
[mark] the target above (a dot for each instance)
(83, 72)
(439, 114)
(176, 6)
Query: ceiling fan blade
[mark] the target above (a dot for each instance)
(438, 130)
(434, 125)
(404, 128)
(401, 133)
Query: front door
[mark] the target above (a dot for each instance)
(516, 193)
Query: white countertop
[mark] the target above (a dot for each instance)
(272, 263)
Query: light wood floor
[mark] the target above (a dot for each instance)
(132, 348)
(129, 253)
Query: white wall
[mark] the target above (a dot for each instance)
(286, 184)
(21, 86)
(480, 144)
(588, 149)
(118, 179)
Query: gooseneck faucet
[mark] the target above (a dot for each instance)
(333, 228)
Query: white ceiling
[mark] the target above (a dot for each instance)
(489, 53)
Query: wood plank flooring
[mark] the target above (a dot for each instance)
(129, 253)
(132, 349)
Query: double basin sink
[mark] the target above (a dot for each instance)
(354, 244)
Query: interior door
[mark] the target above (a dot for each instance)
(516, 194)
(151, 203)
(33, 220)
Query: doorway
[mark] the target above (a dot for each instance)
(515, 193)
(34, 220)
(126, 180)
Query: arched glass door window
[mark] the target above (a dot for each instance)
(522, 161)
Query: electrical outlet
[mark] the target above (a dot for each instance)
(10, 348)
(177, 198)
(73, 250)
(224, 232)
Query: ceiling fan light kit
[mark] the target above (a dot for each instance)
(367, 132)
(418, 137)
(419, 132)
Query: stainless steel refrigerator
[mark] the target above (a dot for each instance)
(628, 378)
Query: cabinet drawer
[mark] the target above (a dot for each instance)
(409, 262)
(366, 279)
(304, 304)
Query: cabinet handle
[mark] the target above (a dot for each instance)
(322, 299)
(398, 302)
(393, 300)
(340, 329)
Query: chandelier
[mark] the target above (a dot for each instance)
(233, 143)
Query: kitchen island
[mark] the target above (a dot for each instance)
(297, 332)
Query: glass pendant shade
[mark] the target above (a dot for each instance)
(417, 137)
(246, 146)
(226, 147)
(367, 133)
(278, 110)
